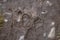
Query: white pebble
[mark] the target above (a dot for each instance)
(21, 37)
(18, 20)
(44, 12)
(5, 20)
(49, 3)
(52, 23)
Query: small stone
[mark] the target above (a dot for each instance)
(44, 12)
(21, 37)
(19, 18)
(49, 3)
(5, 20)
(52, 23)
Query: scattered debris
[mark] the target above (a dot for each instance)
(53, 23)
(48, 3)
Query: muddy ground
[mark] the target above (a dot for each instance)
(30, 19)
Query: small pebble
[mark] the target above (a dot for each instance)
(49, 3)
(18, 20)
(21, 37)
(52, 23)
(5, 20)
(44, 12)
